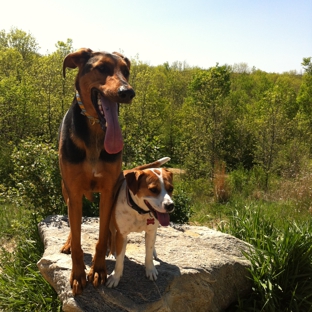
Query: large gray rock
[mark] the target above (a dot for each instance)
(199, 270)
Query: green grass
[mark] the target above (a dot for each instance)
(22, 287)
(8, 218)
(281, 261)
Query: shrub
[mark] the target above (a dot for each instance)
(182, 207)
(239, 181)
(144, 149)
(6, 166)
(247, 183)
(36, 177)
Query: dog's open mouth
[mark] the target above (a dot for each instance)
(108, 116)
(163, 218)
(96, 101)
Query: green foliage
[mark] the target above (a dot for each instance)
(33, 94)
(20, 41)
(151, 122)
(209, 86)
(142, 150)
(273, 120)
(281, 262)
(11, 218)
(6, 165)
(37, 181)
(304, 97)
(307, 65)
(292, 158)
(91, 209)
(247, 183)
(197, 117)
(205, 120)
(22, 287)
(182, 206)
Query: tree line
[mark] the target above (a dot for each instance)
(235, 115)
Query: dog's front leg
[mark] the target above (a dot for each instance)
(78, 274)
(121, 244)
(150, 239)
(98, 274)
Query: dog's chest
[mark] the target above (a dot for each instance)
(129, 221)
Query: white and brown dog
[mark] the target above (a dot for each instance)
(143, 202)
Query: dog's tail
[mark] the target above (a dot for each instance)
(155, 164)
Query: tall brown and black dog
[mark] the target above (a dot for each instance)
(90, 151)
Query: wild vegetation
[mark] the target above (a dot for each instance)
(240, 137)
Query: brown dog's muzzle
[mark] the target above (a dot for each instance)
(126, 95)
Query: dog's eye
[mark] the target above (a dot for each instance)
(154, 190)
(105, 69)
(170, 189)
(126, 73)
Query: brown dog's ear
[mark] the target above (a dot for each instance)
(169, 173)
(133, 180)
(73, 60)
(124, 58)
(128, 62)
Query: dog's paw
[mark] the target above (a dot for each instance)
(97, 277)
(113, 280)
(78, 281)
(151, 273)
(65, 249)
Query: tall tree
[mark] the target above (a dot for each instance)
(176, 79)
(273, 123)
(204, 117)
(305, 92)
(19, 40)
(307, 65)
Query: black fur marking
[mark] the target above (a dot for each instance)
(104, 156)
(69, 149)
(80, 125)
(87, 68)
(71, 152)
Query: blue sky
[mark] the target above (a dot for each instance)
(272, 35)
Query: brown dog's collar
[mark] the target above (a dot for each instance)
(92, 119)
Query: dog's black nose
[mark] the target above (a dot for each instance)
(169, 207)
(126, 94)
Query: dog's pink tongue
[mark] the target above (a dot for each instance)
(163, 218)
(113, 142)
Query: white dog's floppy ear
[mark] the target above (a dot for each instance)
(133, 180)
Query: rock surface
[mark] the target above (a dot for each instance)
(199, 270)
